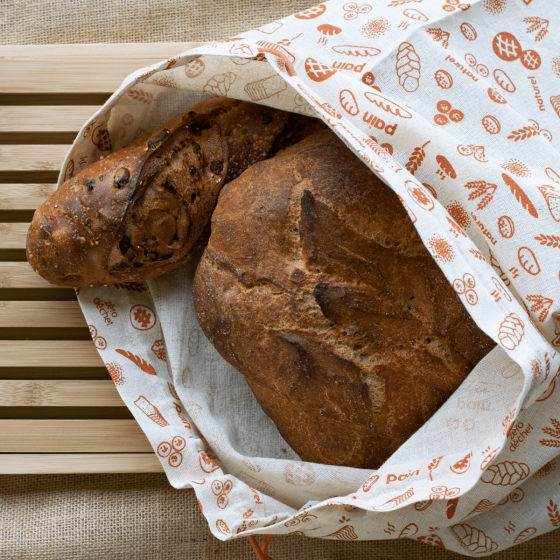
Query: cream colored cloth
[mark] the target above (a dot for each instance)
(141, 516)
(456, 139)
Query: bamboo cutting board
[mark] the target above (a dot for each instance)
(59, 409)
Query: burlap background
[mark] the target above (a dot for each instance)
(59, 517)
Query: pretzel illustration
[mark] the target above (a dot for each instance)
(408, 67)
(511, 331)
(222, 489)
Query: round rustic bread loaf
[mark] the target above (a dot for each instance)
(316, 286)
(138, 212)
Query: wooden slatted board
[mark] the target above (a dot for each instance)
(59, 409)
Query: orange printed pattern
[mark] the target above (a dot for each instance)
(346, 533)
(525, 535)
(474, 540)
(442, 492)
(99, 341)
(172, 451)
(409, 531)
(553, 514)
(115, 371)
(441, 249)
(433, 539)
(408, 67)
(151, 411)
(206, 464)
(483, 505)
(506, 473)
(142, 364)
(222, 489)
(553, 432)
(512, 329)
(142, 318)
(465, 287)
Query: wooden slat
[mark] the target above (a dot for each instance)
(79, 463)
(78, 68)
(72, 436)
(34, 157)
(21, 118)
(59, 392)
(13, 236)
(49, 353)
(24, 197)
(19, 314)
(21, 275)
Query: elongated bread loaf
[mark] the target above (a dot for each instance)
(316, 286)
(138, 212)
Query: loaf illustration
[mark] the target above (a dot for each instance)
(265, 88)
(151, 411)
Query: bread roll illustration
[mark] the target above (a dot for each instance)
(151, 411)
(265, 88)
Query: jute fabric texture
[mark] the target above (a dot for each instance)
(48, 22)
(141, 516)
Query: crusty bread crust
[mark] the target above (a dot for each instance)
(138, 212)
(316, 286)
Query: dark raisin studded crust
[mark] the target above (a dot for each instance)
(316, 286)
(137, 213)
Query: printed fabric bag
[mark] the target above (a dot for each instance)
(456, 107)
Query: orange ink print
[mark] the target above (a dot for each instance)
(312, 13)
(439, 35)
(507, 473)
(481, 189)
(172, 450)
(142, 317)
(222, 490)
(443, 79)
(408, 67)
(115, 371)
(158, 349)
(445, 168)
(511, 331)
(151, 411)
(466, 287)
(528, 261)
(474, 539)
(142, 364)
(99, 341)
